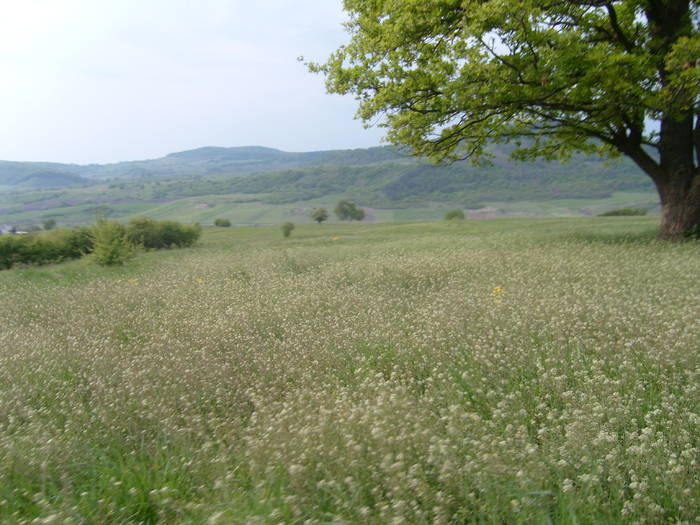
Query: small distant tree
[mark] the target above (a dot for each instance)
(49, 224)
(454, 215)
(110, 243)
(287, 229)
(222, 223)
(319, 214)
(348, 211)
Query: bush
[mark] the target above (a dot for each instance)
(43, 248)
(111, 244)
(222, 223)
(454, 215)
(623, 212)
(61, 244)
(10, 247)
(287, 228)
(49, 224)
(156, 235)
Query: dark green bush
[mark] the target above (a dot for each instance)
(222, 223)
(454, 215)
(61, 244)
(287, 228)
(623, 212)
(156, 235)
(43, 248)
(10, 247)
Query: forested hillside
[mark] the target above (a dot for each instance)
(264, 178)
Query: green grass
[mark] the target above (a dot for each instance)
(249, 209)
(496, 371)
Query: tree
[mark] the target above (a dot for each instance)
(49, 224)
(348, 211)
(319, 214)
(553, 78)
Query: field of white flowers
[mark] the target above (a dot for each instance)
(491, 372)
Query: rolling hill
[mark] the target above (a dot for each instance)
(201, 162)
(203, 183)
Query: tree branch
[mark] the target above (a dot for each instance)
(614, 22)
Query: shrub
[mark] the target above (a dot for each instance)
(10, 247)
(174, 234)
(222, 223)
(287, 228)
(104, 238)
(43, 248)
(49, 224)
(454, 215)
(156, 235)
(111, 244)
(623, 212)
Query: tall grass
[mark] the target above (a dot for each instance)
(389, 374)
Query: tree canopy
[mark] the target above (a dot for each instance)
(319, 214)
(348, 211)
(449, 77)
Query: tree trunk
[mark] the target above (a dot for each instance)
(680, 203)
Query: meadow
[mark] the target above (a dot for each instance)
(501, 371)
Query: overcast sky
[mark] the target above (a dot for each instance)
(109, 80)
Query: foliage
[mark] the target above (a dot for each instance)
(287, 229)
(623, 212)
(222, 223)
(49, 224)
(453, 215)
(111, 245)
(157, 235)
(62, 244)
(319, 214)
(450, 77)
(348, 211)
(44, 248)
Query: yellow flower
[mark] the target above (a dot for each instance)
(497, 290)
(335, 238)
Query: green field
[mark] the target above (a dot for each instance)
(247, 209)
(496, 371)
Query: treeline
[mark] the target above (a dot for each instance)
(104, 237)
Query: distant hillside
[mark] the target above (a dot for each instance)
(204, 162)
(383, 178)
(38, 175)
(406, 184)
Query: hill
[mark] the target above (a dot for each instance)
(201, 162)
(204, 183)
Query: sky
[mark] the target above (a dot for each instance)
(95, 81)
